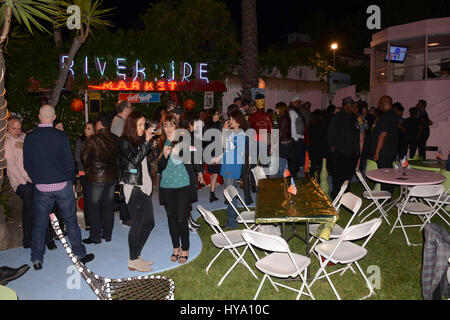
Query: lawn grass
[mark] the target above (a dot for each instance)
(399, 267)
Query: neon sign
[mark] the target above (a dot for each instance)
(160, 85)
(138, 70)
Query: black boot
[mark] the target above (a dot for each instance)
(212, 197)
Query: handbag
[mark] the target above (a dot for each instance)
(119, 196)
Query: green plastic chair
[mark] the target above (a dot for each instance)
(372, 165)
(446, 174)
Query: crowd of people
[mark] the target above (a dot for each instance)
(131, 155)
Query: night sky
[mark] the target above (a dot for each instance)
(336, 18)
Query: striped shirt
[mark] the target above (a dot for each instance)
(51, 187)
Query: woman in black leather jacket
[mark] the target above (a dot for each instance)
(135, 174)
(178, 186)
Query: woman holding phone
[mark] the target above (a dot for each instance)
(135, 174)
(178, 186)
(234, 158)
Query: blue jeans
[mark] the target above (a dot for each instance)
(282, 162)
(232, 215)
(42, 206)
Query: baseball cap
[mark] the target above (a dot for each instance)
(295, 98)
(347, 100)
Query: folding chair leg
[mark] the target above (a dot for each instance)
(367, 282)
(240, 257)
(305, 284)
(349, 266)
(322, 269)
(260, 286)
(214, 259)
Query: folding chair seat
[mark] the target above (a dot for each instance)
(420, 209)
(258, 174)
(280, 263)
(228, 240)
(246, 217)
(343, 251)
(351, 202)
(378, 198)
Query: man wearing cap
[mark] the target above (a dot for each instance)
(343, 138)
(297, 130)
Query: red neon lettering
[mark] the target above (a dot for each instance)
(161, 86)
(149, 86)
(135, 85)
(122, 85)
(172, 85)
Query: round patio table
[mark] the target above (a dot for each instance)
(427, 165)
(404, 178)
(412, 177)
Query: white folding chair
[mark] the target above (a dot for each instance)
(247, 216)
(258, 174)
(443, 200)
(418, 208)
(351, 202)
(225, 240)
(280, 263)
(375, 196)
(344, 251)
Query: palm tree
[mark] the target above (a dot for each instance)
(26, 12)
(249, 69)
(92, 17)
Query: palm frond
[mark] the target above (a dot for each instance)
(28, 12)
(90, 13)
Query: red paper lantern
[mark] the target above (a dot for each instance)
(189, 104)
(76, 105)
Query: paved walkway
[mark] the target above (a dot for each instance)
(58, 279)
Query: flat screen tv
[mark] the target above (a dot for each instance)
(398, 54)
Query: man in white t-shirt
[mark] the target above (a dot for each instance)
(123, 108)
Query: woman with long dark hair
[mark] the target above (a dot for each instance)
(81, 143)
(178, 186)
(213, 122)
(235, 156)
(135, 174)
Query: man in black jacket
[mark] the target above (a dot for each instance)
(48, 160)
(343, 138)
(100, 158)
(384, 138)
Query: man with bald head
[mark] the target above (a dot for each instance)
(48, 160)
(20, 181)
(384, 138)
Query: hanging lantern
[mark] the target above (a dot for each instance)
(189, 105)
(76, 105)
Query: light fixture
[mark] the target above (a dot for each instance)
(334, 46)
(434, 44)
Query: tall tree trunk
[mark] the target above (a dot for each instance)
(76, 45)
(249, 68)
(57, 36)
(3, 102)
